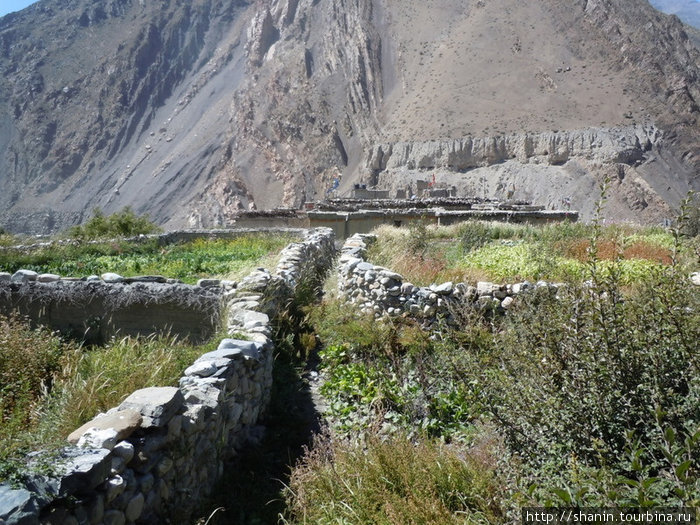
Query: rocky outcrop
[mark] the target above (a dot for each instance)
(194, 111)
(626, 145)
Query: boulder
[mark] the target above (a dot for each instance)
(18, 507)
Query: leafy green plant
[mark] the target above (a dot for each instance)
(187, 261)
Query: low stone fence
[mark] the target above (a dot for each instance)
(95, 310)
(153, 458)
(378, 290)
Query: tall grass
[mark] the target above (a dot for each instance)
(76, 384)
(391, 482)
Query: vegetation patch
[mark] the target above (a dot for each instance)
(49, 387)
(584, 396)
(392, 482)
(477, 250)
(189, 261)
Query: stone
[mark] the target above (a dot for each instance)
(230, 348)
(203, 368)
(91, 278)
(24, 276)
(96, 510)
(4, 277)
(695, 278)
(408, 289)
(507, 302)
(249, 318)
(112, 278)
(134, 508)
(146, 483)
(486, 288)
(203, 394)
(81, 470)
(18, 506)
(124, 450)
(443, 289)
(123, 421)
(156, 404)
(118, 466)
(174, 428)
(146, 279)
(164, 466)
(364, 267)
(98, 438)
(209, 283)
(518, 288)
(48, 278)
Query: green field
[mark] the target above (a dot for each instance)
(189, 261)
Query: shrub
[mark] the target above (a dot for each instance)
(591, 378)
(391, 481)
(124, 223)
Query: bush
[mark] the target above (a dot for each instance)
(124, 223)
(594, 384)
(392, 482)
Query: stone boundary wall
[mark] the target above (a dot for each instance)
(155, 456)
(382, 292)
(95, 310)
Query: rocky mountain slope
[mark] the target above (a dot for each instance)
(194, 110)
(687, 10)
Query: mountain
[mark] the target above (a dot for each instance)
(194, 110)
(687, 10)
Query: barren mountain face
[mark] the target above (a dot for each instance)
(194, 110)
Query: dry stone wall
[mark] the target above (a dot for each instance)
(157, 454)
(95, 309)
(382, 292)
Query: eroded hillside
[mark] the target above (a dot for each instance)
(192, 111)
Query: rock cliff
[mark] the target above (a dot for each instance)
(192, 111)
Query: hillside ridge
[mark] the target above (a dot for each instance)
(194, 111)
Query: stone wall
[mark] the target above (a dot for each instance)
(95, 310)
(382, 292)
(154, 457)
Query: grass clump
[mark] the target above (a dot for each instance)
(391, 482)
(98, 379)
(30, 360)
